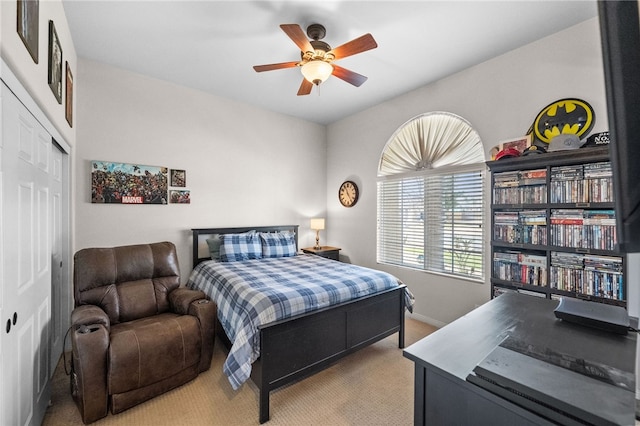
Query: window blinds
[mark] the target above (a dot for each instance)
(433, 222)
(431, 197)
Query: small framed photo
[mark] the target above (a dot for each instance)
(68, 100)
(55, 63)
(28, 25)
(521, 143)
(178, 178)
(180, 196)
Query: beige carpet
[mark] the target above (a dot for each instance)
(371, 387)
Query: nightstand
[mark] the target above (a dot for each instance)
(324, 251)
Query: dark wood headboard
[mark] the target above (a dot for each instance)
(200, 236)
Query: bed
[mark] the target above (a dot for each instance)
(284, 315)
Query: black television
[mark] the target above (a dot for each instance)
(620, 34)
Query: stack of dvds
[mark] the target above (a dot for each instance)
(590, 275)
(506, 227)
(519, 267)
(599, 230)
(533, 186)
(533, 226)
(566, 270)
(566, 184)
(566, 227)
(520, 187)
(505, 188)
(579, 228)
(599, 181)
(603, 277)
(588, 183)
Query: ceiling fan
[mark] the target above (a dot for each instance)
(317, 57)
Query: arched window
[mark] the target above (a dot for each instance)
(431, 197)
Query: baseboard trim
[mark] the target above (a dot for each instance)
(426, 320)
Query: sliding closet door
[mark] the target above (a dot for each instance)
(59, 308)
(26, 151)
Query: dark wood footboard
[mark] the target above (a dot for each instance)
(293, 349)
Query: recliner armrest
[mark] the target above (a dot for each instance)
(86, 315)
(181, 298)
(89, 386)
(206, 311)
(186, 301)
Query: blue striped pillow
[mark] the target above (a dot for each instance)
(240, 247)
(278, 244)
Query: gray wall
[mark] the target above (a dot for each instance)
(500, 98)
(245, 166)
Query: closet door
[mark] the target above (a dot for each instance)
(26, 150)
(58, 307)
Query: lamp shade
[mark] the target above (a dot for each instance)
(317, 224)
(316, 71)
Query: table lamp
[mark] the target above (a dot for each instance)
(317, 224)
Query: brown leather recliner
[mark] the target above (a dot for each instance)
(135, 332)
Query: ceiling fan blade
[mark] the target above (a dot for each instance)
(271, 67)
(348, 76)
(298, 36)
(358, 45)
(305, 87)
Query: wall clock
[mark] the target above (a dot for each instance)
(348, 193)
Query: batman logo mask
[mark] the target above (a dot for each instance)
(565, 116)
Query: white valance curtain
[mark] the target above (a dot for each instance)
(430, 141)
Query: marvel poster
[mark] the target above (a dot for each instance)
(121, 183)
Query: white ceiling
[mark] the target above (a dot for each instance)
(212, 45)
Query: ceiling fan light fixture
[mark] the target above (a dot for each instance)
(316, 57)
(316, 71)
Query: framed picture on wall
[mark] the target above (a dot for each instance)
(122, 183)
(178, 178)
(180, 196)
(68, 99)
(28, 25)
(55, 63)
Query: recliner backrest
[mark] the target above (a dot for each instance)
(127, 282)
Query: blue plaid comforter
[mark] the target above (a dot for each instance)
(254, 292)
